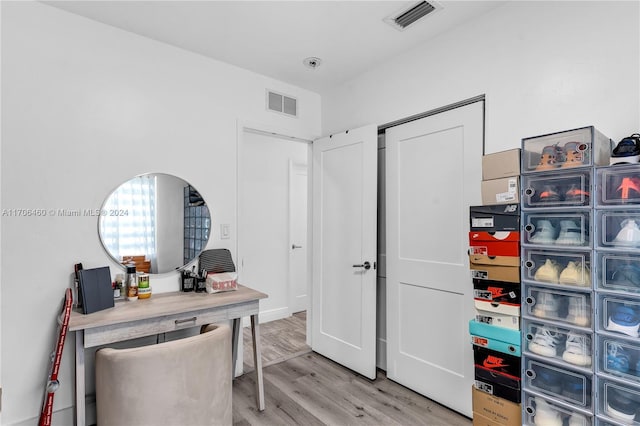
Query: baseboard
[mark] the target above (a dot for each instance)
(267, 316)
(66, 416)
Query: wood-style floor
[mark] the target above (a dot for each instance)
(304, 388)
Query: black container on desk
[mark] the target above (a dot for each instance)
(201, 284)
(188, 282)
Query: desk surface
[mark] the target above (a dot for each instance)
(161, 304)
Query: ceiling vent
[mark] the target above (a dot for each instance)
(406, 17)
(281, 103)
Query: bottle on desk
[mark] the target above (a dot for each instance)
(132, 283)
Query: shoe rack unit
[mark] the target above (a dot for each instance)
(558, 297)
(617, 294)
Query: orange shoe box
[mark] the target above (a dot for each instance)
(501, 243)
(496, 268)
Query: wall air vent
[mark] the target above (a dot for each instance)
(282, 103)
(405, 17)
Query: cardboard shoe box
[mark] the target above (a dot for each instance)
(500, 191)
(501, 164)
(498, 320)
(495, 218)
(492, 410)
(495, 268)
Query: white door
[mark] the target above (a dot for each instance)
(433, 174)
(344, 240)
(298, 250)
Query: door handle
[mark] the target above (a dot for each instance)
(365, 265)
(293, 246)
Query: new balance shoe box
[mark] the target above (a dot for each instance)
(495, 268)
(501, 164)
(500, 243)
(500, 191)
(489, 410)
(497, 297)
(495, 218)
(499, 339)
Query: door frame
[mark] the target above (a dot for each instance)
(243, 126)
(293, 169)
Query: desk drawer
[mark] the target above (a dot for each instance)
(140, 328)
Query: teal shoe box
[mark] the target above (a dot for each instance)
(499, 339)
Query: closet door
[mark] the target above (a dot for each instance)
(433, 174)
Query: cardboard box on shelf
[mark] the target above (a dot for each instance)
(501, 243)
(498, 268)
(500, 191)
(498, 320)
(501, 164)
(495, 218)
(495, 409)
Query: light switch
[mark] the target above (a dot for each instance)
(225, 231)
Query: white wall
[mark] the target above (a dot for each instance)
(85, 107)
(264, 240)
(543, 66)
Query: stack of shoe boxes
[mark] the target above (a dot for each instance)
(494, 259)
(558, 338)
(617, 280)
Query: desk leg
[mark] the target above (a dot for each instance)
(257, 361)
(235, 338)
(80, 384)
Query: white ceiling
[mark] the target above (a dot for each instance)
(273, 37)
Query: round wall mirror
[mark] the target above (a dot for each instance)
(156, 221)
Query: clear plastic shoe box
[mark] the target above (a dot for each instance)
(618, 229)
(619, 357)
(619, 314)
(573, 387)
(561, 344)
(566, 189)
(550, 304)
(542, 411)
(567, 229)
(567, 149)
(618, 186)
(618, 272)
(618, 401)
(563, 268)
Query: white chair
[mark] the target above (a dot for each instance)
(182, 382)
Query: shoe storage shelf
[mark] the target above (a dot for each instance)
(559, 345)
(617, 289)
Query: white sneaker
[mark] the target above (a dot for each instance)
(544, 342)
(545, 415)
(578, 420)
(548, 272)
(578, 349)
(546, 305)
(570, 234)
(575, 274)
(629, 235)
(579, 311)
(544, 233)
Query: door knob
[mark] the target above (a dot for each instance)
(293, 246)
(365, 265)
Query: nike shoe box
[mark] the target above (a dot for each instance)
(500, 191)
(494, 218)
(618, 185)
(498, 320)
(571, 188)
(582, 147)
(486, 383)
(506, 366)
(501, 164)
(489, 410)
(495, 268)
(497, 297)
(501, 243)
(499, 339)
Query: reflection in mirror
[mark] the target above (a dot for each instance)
(157, 221)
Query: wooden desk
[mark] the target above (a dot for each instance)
(163, 313)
